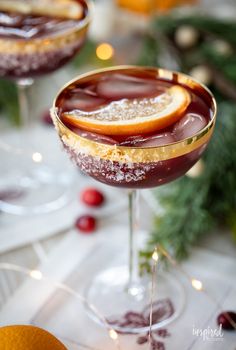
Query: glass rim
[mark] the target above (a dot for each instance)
(77, 28)
(164, 74)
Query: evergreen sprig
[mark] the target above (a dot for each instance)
(9, 100)
(193, 207)
(218, 28)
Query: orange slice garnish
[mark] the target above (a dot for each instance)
(68, 9)
(133, 116)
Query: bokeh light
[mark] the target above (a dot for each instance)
(104, 51)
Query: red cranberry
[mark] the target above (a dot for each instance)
(227, 319)
(86, 223)
(92, 197)
(46, 118)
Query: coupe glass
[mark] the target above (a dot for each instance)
(28, 183)
(119, 290)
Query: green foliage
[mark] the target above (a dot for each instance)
(86, 55)
(217, 28)
(193, 207)
(149, 52)
(9, 101)
(210, 30)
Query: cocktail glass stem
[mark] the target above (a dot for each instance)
(133, 281)
(23, 86)
(32, 186)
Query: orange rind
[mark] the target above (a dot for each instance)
(27, 337)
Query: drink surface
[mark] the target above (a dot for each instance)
(15, 25)
(126, 96)
(142, 129)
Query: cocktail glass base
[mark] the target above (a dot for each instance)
(37, 191)
(35, 177)
(127, 308)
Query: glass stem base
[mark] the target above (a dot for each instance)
(127, 308)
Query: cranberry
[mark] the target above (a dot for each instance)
(46, 118)
(227, 319)
(92, 197)
(86, 223)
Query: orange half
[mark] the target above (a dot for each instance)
(136, 116)
(27, 337)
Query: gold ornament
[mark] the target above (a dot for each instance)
(222, 47)
(186, 37)
(202, 74)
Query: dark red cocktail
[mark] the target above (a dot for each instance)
(36, 37)
(153, 127)
(39, 37)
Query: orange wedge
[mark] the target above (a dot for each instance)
(133, 116)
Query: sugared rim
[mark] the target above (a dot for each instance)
(162, 73)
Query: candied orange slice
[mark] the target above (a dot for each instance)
(68, 9)
(133, 116)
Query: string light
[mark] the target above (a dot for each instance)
(38, 275)
(155, 255)
(37, 157)
(113, 334)
(104, 51)
(197, 284)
